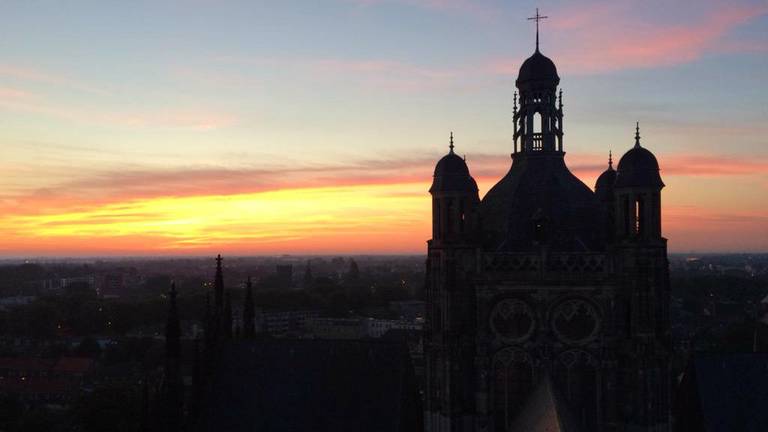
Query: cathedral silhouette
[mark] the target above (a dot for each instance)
(547, 309)
(547, 303)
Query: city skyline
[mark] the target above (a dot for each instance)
(313, 127)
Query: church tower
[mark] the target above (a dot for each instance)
(546, 300)
(450, 314)
(641, 260)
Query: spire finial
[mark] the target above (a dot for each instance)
(537, 18)
(450, 146)
(514, 102)
(610, 160)
(637, 134)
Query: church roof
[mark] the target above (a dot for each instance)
(452, 174)
(545, 411)
(313, 385)
(638, 167)
(724, 392)
(606, 181)
(537, 71)
(540, 188)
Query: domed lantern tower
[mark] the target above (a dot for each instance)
(638, 194)
(544, 296)
(539, 121)
(454, 199)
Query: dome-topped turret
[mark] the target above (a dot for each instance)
(606, 181)
(638, 167)
(452, 174)
(451, 164)
(537, 71)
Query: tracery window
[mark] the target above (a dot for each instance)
(512, 384)
(576, 374)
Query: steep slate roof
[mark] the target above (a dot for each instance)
(452, 175)
(313, 385)
(724, 392)
(545, 411)
(541, 186)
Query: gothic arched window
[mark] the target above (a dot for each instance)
(576, 374)
(512, 383)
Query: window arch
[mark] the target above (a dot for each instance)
(512, 383)
(538, 125)
(576, 374)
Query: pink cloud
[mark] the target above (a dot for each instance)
(605, 37)
(602, 38)
(129, 183)
(37, 75)
(474, 7)
(172, 118)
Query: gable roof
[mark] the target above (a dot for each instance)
(313, 385)
(724, 392)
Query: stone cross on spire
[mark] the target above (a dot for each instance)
(537, 18)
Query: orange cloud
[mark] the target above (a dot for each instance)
(380, 205)
(691, 228)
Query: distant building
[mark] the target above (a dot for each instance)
(376, 328)
(284, 323)
(337, 328)
(284, 275)
(313, 385)
(723, 392)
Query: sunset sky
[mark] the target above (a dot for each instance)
(312, 126)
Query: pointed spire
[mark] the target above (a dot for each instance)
(144, 413)
(450, 146)
(172, 328)
(174, 397)
(218, 287)
(637, 134)
(226, 321)
(537, 18)
(249, 325)
(610, 160)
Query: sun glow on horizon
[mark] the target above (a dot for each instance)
(384, 218)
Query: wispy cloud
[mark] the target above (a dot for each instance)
(601, 37)
(15, 100)
(477, 7)
(133, 182)
(38, 75)
(607, 37)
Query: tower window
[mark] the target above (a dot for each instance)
(625, 210)
(537, 128)
(639, 215)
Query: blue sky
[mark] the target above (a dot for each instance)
(160, 94)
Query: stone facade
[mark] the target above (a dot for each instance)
(545, 279)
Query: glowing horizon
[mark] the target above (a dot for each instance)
(303, 128)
